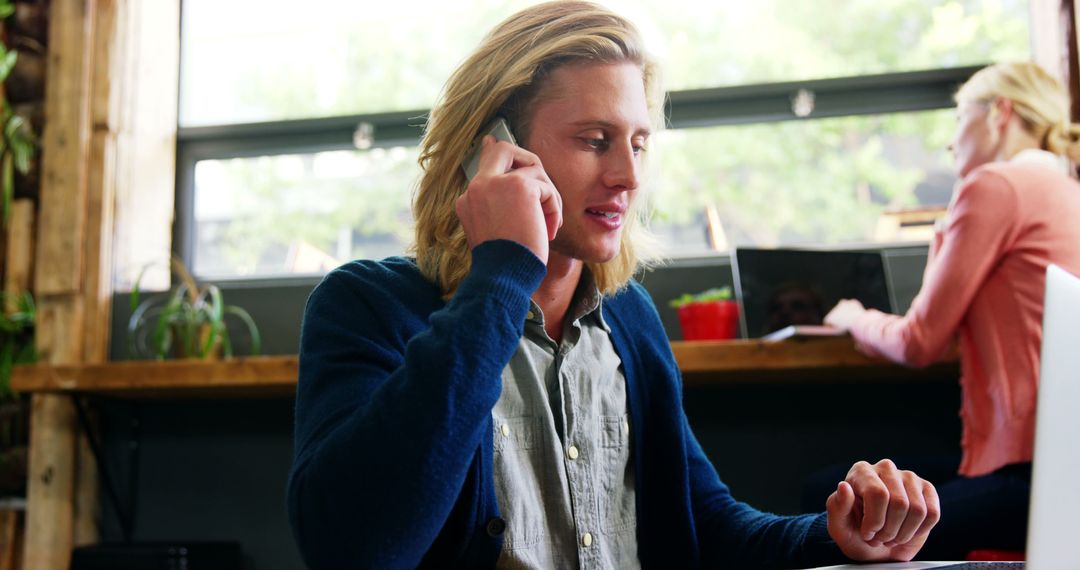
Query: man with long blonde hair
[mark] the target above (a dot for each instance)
(508, 397)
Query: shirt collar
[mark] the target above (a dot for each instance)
(587, 301)
(1037, 156)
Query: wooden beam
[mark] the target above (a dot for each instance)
(59, 268)
(19, 250)
(101, 184)
(51, 485)
(65, 146)
(11, 529)
(86, 506)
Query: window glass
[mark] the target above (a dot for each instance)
(301, 213)
(814, 182)
(822, 181)
(245, 61)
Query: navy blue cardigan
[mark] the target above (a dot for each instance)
(393, 442)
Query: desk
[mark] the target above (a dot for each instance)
(251, 376)
(825, 360)
(808, 359)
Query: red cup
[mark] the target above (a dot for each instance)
(709, 320)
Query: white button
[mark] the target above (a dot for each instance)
(530, 315)
(586, 539)
(573, 453)
(506, 430)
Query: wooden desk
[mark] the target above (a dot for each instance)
(252, 376)
(829, 359)
(810, 359)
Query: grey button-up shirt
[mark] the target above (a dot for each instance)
(563, 475)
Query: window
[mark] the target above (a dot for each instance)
(271, 183)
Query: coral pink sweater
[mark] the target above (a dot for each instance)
(984, 284)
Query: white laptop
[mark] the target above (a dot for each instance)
(1053, 541)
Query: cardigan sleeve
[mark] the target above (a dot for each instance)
(982, 225)
(732, 534)
(683, 492)
(389, 422)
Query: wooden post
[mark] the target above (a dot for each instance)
(60, 265)
(19, 255)
(10, 539)
(108, 152)
(19, 250)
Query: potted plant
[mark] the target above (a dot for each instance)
(189, 322)
(709, 315)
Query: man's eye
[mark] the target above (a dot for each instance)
(598, 144)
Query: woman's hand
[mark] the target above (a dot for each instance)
(879, 512)
(844, 314)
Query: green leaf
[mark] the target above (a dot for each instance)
(7, 63)
(6, 9)
(134, 297)
(8, 184)
(714, 294)
(253, 329)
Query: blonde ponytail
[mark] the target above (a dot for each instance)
(1063, 139)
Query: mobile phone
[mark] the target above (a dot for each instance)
(497, 128)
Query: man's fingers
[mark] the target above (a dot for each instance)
(551, 204)
(933, 510)
(917, 510)
(897, 504)
(841, 502)
(875, 496)
(499, 157)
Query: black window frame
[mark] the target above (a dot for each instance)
(744, 104)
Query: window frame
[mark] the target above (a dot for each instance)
(743, 104)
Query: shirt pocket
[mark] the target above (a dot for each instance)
(616, 495)
(520, 477)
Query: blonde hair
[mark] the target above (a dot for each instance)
(1038, 99)
(505, 76)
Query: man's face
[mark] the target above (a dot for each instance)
(589, 128)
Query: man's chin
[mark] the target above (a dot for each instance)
(585, 254)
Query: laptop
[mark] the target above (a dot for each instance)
(1055, 495)
(793, 289)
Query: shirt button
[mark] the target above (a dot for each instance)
(530, 315)
(586, 539)
(572, 452)
(505, 430)
(496, 526)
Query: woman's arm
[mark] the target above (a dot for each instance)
(982, 226)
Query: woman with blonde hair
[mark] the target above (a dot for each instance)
(509, 398)
(1014, 211)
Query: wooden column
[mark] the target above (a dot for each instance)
(60, 265)
(1070, 63)
(108, 147)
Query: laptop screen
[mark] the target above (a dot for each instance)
(781, 287)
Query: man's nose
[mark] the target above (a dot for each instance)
(622, 168)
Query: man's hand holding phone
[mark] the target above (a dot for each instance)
(511, 197)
